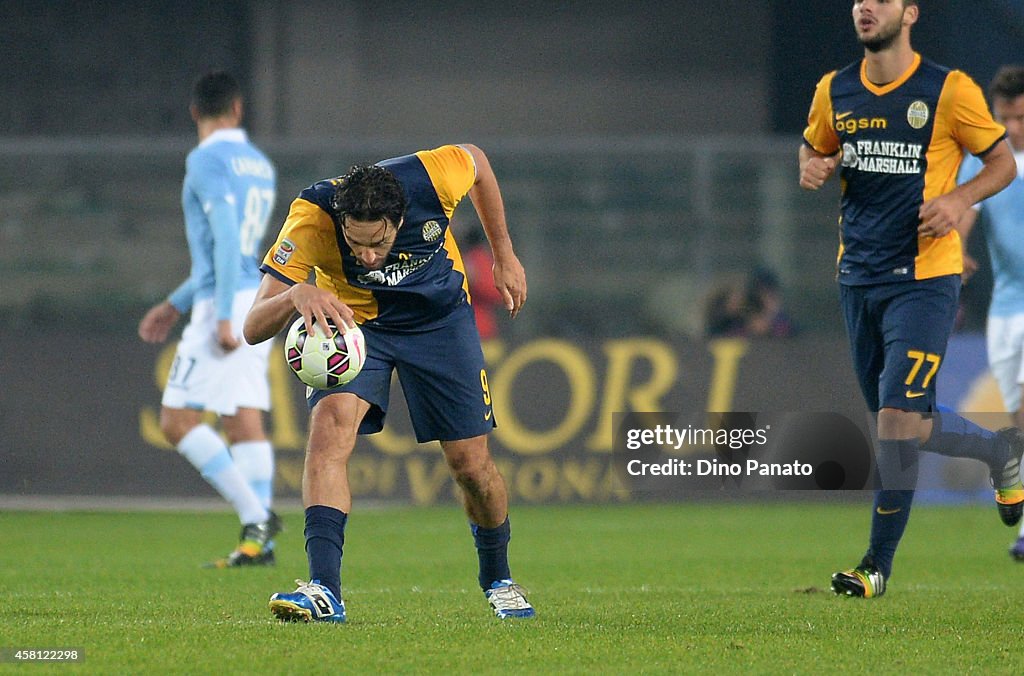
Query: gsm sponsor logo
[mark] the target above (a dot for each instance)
(851, 125)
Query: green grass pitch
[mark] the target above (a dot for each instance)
(716, 587)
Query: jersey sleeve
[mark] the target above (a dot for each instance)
(973, 126)
(305, 237)
(819, 133)
(452, 171)
(181, 298)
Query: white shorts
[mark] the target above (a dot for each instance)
(205, 377)
(1005, 339)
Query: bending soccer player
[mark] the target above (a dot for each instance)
(377, 240)
(895, 126)
(227, 198)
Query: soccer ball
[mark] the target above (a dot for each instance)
(324, 359)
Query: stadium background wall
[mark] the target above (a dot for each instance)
(87, 425)
(646, 153)
(356, 68)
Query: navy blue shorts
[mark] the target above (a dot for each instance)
(898, 334)
(442, 375)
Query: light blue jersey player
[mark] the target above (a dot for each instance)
(227, 198)
(1004, 215)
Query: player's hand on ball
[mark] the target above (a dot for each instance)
(318, 306)
(324, 358)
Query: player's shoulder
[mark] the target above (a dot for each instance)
(202, 162)
(937, 75)
(929, 65)
(845, 79)
(447, 164)
(449, 154)
(207, 154)
(321, 193)
(957, 77)
(258, 152)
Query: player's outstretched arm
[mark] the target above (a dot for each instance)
(509, 275)
(276, 302)
(815, 168)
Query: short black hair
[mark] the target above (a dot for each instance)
(369, 192)
(214, 93)
(1008, 83)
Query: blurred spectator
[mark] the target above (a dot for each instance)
(750, 306)
(726, 311)
(765, 313)
(486, 299)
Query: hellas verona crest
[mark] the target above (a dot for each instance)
(917, 114)
(431, 231)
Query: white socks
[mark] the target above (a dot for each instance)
(255, 460)
(206, 451)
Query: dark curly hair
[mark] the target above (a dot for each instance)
(369, 193)
(213, 93)
(1008, 83)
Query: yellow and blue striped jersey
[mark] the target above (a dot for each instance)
(901, 144)
(423, 278)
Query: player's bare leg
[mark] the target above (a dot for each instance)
(206, 451)
(485, 500)
(175, 423)
(333, 425)
(245, 425)
(484, 496)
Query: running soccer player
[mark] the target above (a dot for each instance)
(895, 127)
(378, 242)
(1004, 212)
(227, 198)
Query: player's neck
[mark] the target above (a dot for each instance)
(888, 65)
(208, 125)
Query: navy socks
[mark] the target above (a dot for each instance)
(956, 436)
(325, 539)
(897, 465)
(492, 550)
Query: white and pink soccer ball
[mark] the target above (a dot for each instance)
(324, 359)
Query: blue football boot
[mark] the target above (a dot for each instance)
(508, 599)
(311, 602)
